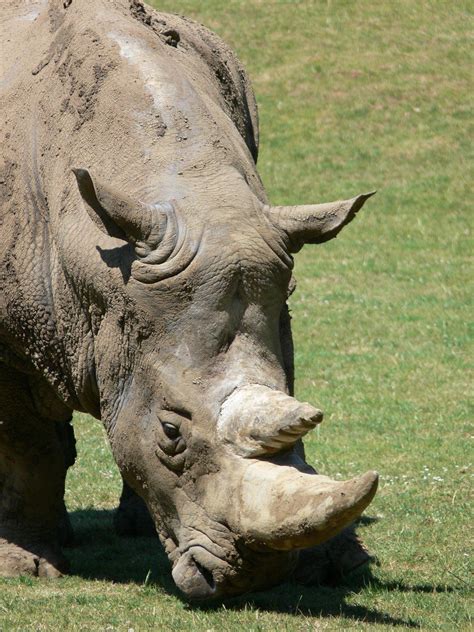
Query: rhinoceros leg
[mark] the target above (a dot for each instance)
(65, 433)
(332, 561)
(32, 473)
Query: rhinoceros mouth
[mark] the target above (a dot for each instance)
(202, 575)
(192, 574)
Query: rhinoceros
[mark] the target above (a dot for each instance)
(144, 280)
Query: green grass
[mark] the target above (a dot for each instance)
(353, 96)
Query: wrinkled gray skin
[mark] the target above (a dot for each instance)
(144, 280)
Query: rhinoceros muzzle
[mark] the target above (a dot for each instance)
(201, 573)
(271, 502)
(275, 512)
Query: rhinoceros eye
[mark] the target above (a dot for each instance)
(170, 430)
(171, 439)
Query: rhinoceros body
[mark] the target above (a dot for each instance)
(143, 280)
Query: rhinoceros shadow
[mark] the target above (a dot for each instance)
(98, 553)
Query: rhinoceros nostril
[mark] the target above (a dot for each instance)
(193, 579)
(207, 575)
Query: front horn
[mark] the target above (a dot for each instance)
(284, 509)
(314, 223)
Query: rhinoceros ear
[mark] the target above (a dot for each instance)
(117, 215)
(314, 223)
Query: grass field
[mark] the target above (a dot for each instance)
(353, 96)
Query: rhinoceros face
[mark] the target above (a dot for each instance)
(204, 428)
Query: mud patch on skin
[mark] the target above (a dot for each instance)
(55, 50)
(169, 36)
(7, 178)
(56, 15)
(234, 87)
(82, 94)
(88, 94)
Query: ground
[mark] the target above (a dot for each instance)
(353, 96)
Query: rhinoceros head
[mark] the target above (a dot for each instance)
(201, 421)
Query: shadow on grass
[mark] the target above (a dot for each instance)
(364, 521)
(100, 554)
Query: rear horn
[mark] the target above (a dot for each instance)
(256, 420)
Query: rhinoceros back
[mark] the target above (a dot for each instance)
(237, 94)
